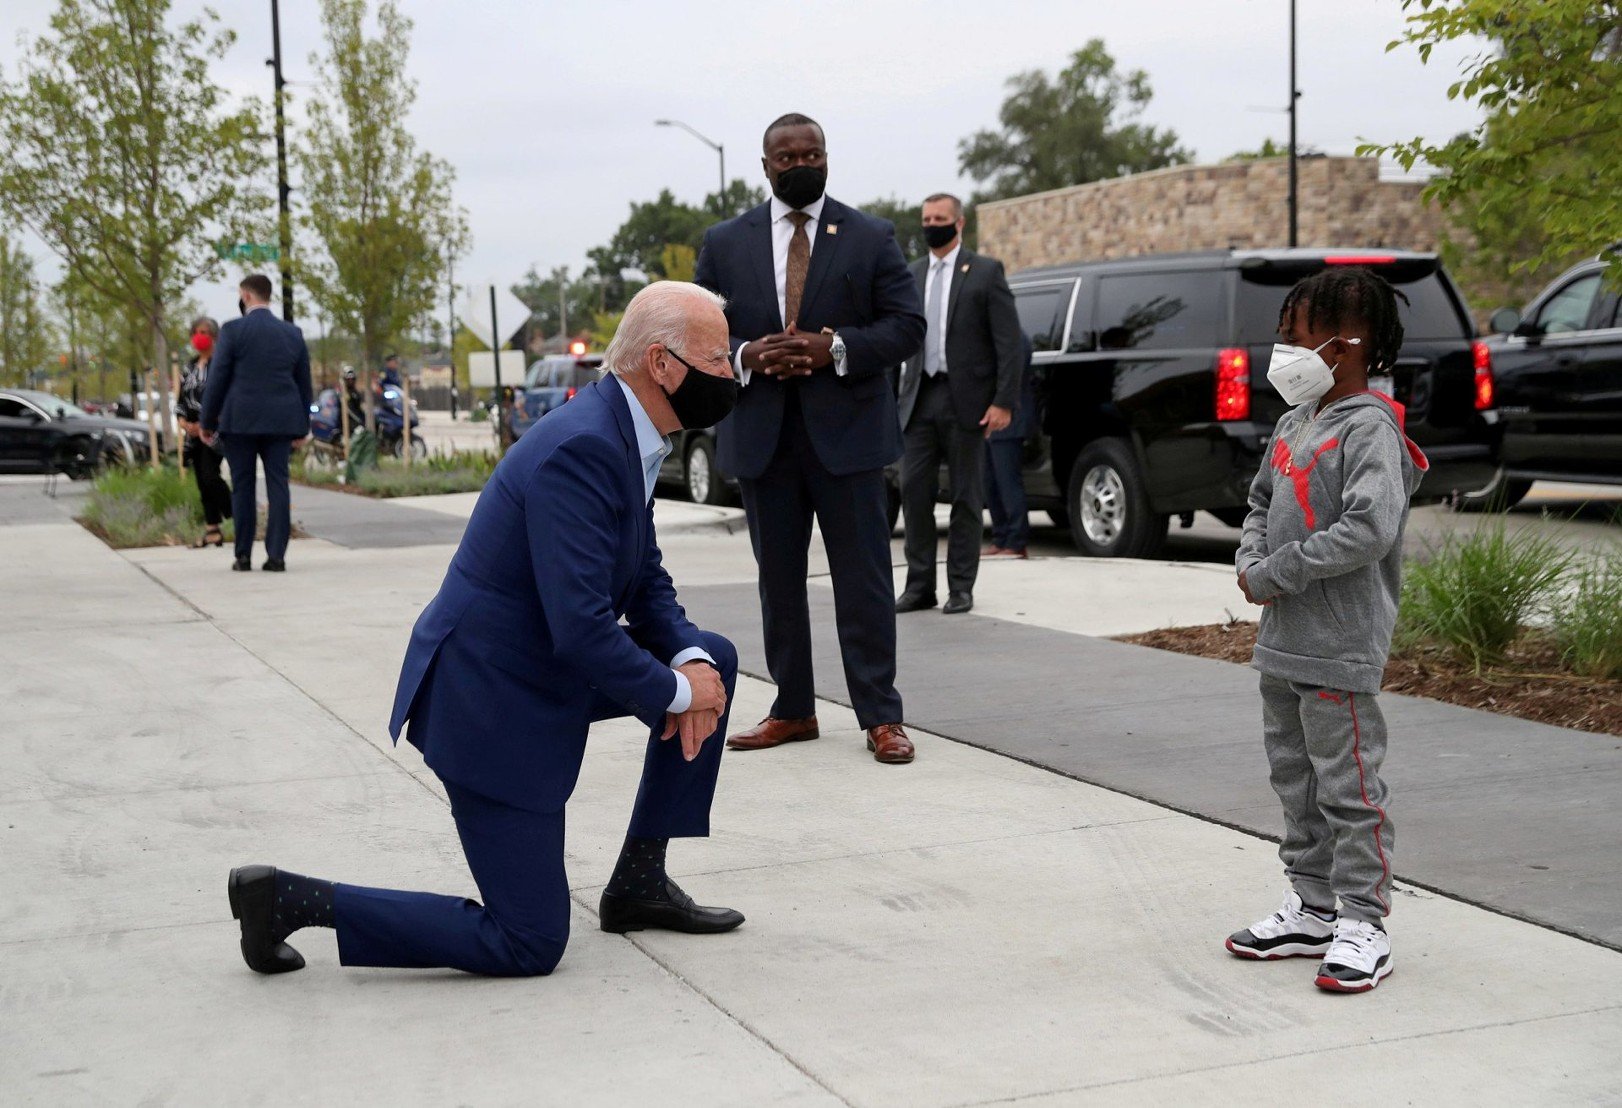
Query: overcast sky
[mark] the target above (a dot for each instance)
(546, 109)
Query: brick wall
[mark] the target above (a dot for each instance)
(1343, 202)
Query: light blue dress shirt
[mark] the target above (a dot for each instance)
(654, 448)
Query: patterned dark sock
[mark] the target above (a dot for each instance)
(301, 902)
(640, 872)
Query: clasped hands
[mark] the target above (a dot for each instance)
(790, 353)
(703, 714)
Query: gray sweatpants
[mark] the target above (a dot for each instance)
(1325, 747)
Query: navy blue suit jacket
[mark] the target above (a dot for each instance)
(259, 379)
(523, 648)
(859, 286)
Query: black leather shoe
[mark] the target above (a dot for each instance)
(957, 602)
(619, 914)
(252, 890)
(914, 602)
(242, 565)
(274, 565)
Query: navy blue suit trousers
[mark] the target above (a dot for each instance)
(243, 452)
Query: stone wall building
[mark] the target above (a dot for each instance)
(1343, 202)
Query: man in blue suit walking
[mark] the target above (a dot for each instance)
(821, 304)
(522, 650)
(258, 398)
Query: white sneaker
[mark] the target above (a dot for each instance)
(1291, 932)
(1358, 960)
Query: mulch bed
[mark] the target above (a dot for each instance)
(1529, 685)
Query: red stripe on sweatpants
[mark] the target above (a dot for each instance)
(1363, 786)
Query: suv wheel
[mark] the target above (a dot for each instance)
(1500, 496)
(1108, 503)
(704, 482)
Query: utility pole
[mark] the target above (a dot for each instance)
(502, 428)
(563, 305)
(284, 218)
(450, 325)
(1294, 96)
(720, 150)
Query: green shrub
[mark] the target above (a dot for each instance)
(478, 414)
(1587, 619)
(438, 473)
(139, 506)
(1472, 594)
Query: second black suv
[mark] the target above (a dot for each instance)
(1153, 400)
(1558, 370)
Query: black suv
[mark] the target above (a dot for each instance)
(1152, 392)
(1558, 374)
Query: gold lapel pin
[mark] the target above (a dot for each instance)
(965, 268)
(833, 228)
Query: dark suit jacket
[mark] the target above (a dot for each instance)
(259, 379)
(858, 285)
(522, 648)
(983, 359)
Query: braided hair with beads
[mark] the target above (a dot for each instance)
(1351, 294)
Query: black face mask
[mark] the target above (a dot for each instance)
(801, 185)
(242, 306)
(702, 399)
(938, 235)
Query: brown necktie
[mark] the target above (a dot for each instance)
(799, 261)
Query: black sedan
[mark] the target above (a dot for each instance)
(42, 433)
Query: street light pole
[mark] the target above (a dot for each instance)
(284, 216)
(721, 197)
(1294, 96)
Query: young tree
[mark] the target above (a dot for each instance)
(120, 154)
(1068, 131)
(26, 338)
(1539, 181)
(379, 210)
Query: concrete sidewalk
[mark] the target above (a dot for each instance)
(967, 930)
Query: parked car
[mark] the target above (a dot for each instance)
(551, 382)
(42, 433)
(1557, 371)
(1153, 398)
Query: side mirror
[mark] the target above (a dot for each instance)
(1505, 321)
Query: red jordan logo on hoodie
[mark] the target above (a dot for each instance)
(1300, 476)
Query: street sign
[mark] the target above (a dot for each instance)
(481, 367)
(511, 314)
(248, 251)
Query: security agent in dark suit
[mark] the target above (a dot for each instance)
(521, 651)
(819, 302)
(258, 401)
(954, 394)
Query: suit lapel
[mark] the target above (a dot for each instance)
(824, 252)
(760, 250)
(614, 396)
(965, 263)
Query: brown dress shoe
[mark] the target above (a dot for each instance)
(771, 732)
(889, 744)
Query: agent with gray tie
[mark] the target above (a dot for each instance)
(953, 395)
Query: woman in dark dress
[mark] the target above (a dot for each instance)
(202, 458)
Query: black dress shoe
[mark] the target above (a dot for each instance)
(274, 565)
(252, 890)
(619, 914)
(242, 565)
(957, 602)
(914, 602)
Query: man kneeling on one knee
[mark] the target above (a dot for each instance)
(522, 650)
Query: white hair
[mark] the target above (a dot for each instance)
(659, 314)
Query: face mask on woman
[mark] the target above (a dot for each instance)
(202, 342)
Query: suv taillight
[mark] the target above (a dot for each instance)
(1484, 386)
(1233, 384)
(568, 396)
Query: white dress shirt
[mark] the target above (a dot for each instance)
(945, 270)
(782, 236)
(654, 448)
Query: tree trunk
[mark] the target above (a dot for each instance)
(160, 362)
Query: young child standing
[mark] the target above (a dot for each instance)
(1322, 553)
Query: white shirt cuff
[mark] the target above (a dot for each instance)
(684, 688)
(737, 364)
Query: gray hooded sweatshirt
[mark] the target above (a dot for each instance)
(1322, 544)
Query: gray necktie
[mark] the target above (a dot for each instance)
(932, 317)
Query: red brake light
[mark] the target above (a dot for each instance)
(1361, 259)
(577, 348)
(1233, 384)
(568, 396)
(1484, 383)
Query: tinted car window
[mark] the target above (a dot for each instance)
(1159, 311)
(12, 408)
(1038, 307)
(1567, 310)
(1429, 314)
